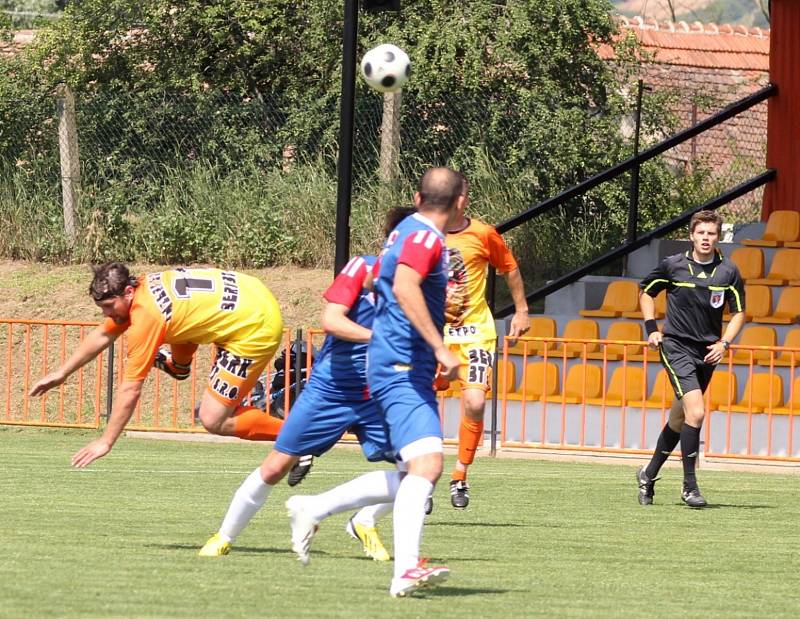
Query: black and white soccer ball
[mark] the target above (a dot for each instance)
(386, 68)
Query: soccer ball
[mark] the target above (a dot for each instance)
(386, 68)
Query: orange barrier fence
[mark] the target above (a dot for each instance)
(571, 394)
(614, 396)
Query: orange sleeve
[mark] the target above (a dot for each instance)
(109, 326)
(145, 335)
(500, 256)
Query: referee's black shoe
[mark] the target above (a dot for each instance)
(692, 497)
(646, 486)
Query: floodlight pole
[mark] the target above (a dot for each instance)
(346, 115)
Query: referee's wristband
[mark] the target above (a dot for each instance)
(651, 326)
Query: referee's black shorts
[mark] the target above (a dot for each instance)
(685, 366)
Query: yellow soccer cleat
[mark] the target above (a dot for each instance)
(215, 547)
(370, 540)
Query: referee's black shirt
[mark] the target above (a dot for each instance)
(696, 295)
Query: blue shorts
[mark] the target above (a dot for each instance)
(410, 410)
(316, 423)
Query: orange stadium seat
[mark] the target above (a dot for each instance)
(582, 381)
(578, 329)
(787, 311)
(783, 228)
(506, 376)
(540, 379)
(785, 267)
(758, 302)
(541, 326)
(754, 335)
(621, 296)
(784, 358)
(721, 390)
(661, 308)
(749, 261)
(626, 385)
(661, 396)
(621, 330)
(762, 391)
(793, 405)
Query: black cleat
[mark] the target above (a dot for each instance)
(692, 497)
(429, 505)
(646, 487)
(459, 493)
(300, 470)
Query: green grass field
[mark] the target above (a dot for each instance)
(540, 539)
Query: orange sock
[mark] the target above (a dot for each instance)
(254, 424)
(470, 435)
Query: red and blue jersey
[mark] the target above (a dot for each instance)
(397, 350)
(340, 367)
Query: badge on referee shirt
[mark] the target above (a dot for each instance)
(717, 299)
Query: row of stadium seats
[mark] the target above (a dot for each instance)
(621, 300)
(584, 384)
(542, 326)
(784, 270)
(782, 230)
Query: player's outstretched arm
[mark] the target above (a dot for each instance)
(92, 345)
(124, 405)
(407, 290)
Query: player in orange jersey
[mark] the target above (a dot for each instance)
(182, 308)
(470, 331)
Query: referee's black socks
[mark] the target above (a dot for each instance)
(690, 448)
(667, 441)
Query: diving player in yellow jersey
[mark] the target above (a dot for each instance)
(182, 308)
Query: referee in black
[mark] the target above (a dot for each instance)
(698, 284)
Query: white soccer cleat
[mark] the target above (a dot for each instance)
(418, 578)
(304, 527)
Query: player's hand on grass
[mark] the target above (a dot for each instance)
(448, 363)
(54, 379)
(654, 339)
(520, 323)
(90, 452)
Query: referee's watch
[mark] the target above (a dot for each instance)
(725, 344)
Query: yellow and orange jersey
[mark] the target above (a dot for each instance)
(189, 307)
(472, 250)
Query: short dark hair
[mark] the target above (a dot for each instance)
(395, 216)
(110, 280)
(706, 217)
(439, 188)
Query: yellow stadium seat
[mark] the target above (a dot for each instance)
(621, 296)
(754, 335)
(758, 302)
(784, 358)
(583, 381)
(661, 396)
(661, 308)
(626, 385)
(793, 405)
(721, 390)
(578, 329)
(783, 228)
(785, 267)
(762, 391)
(506, 376)
(541, 326)
(787, 311)
(621, 330)
(540, 379)
(749, 261)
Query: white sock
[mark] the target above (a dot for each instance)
(248, 499)
(370, 488)
(408, 518)
(370, 514)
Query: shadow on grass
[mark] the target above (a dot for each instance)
(462, 523)
(436, 592)
(237, 550)
(729, 506)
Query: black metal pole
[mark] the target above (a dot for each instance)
(633, 199)
(346, 114)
